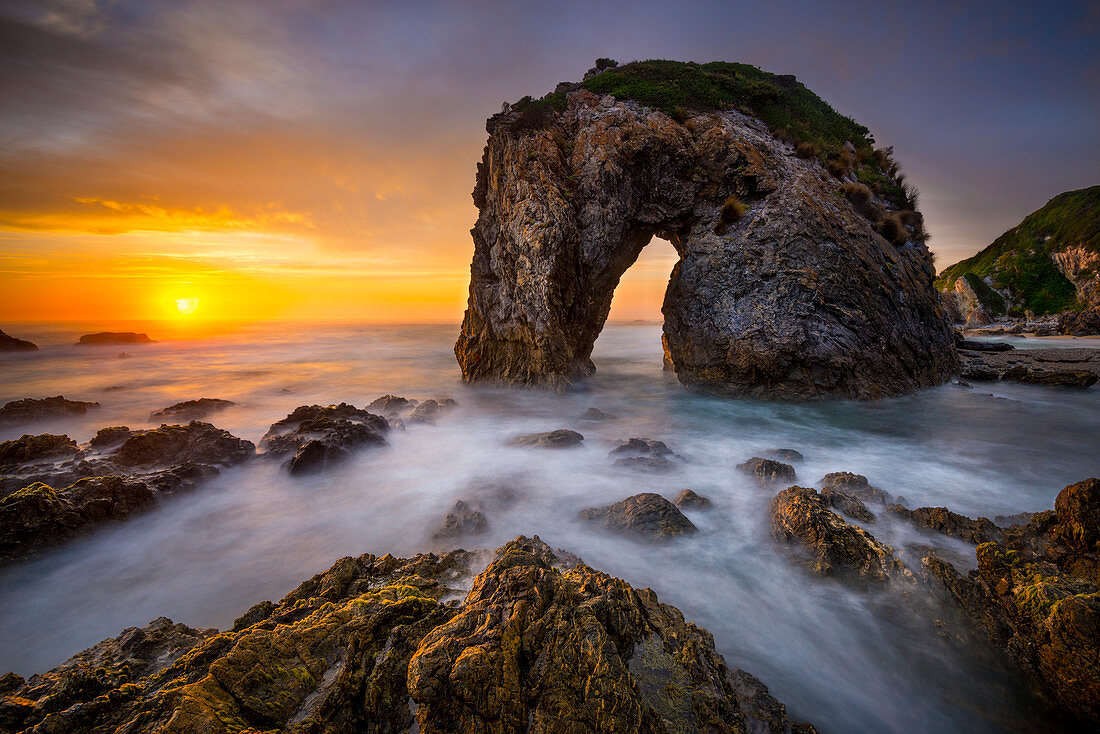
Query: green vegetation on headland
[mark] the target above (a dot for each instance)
(1020, 260)
(792, 112)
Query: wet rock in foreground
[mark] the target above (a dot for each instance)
(370, 646)
(830, 545)
(1035, 597)
(196, 442)
(28, 448)
(647, 515)
(40, 409)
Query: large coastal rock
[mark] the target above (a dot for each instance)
(371, 645)
(1035, 596)
(27, 410)
(796, 296)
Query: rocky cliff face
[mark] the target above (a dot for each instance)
(795, 296)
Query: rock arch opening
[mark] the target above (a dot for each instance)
(796, 296)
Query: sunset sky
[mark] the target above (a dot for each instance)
(293, 159)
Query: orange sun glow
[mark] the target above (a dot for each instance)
(187, 305)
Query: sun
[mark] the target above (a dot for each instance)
(187, 305)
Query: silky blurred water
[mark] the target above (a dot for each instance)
(845, 660)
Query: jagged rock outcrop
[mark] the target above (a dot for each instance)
(768, 472)
(320, 436)
(196, 442)
(371, 646)
(29, 448)
(855, 485)
(829, 545)
(796, 296)
(945, 521)
(1035, 596)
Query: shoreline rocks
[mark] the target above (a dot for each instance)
(1056, 367)
(370, 645)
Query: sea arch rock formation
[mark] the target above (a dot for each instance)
(799, 297)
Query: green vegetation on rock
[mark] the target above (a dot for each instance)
(1020, 262)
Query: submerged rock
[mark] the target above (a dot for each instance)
(559, 439)
(645, 454)
(320, 436)
(40, 409)
(689, 500)
(1035, 597)
(950, 523)
(463, 520)
(192, 409)
(646, 515)
(115, 337)
(595, 414)
(832, 546)
(783, 288)
(196, 442)
(29, 448)
(9, 343)
(370, 646)
(768, 472)
(430, 410)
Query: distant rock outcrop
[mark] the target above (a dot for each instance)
(193, 409)
(785, 288)
(115, 337)
(29, 410)
(11, 344)
(1048, 263)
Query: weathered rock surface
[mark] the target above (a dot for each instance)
(369, 646)
(1035, 596)
(39, 409)
(320, 436)
(193, 409)
(30, 448)
(1057, 367)
(647, 515)
(392, 405)
(197, 442)
(768, 472)
(950, 523)
(690, 500)
(849, 504)
(40, 515)
(9, 343)
(855, 485)
(110, 436)
(830, 545)
(115, 337)
(560, 439)
(799, 297)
